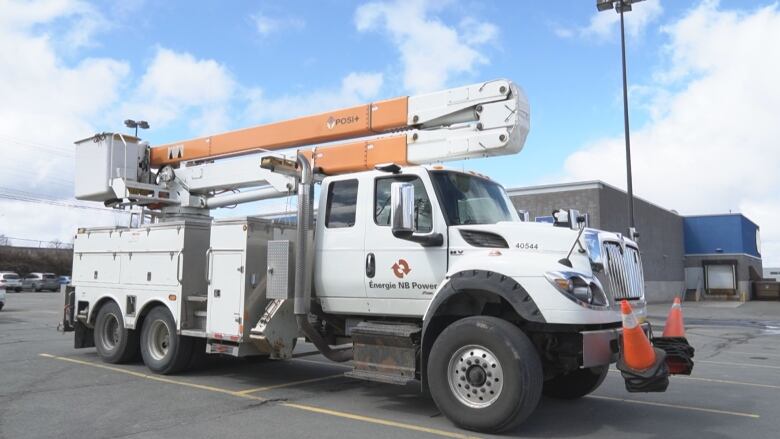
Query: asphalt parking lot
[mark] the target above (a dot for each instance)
(48, 389)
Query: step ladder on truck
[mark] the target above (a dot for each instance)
(426, 274)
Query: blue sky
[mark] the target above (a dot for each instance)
(573, 83)
(703, 87)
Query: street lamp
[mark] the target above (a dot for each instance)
(624, 6)
(130, 123)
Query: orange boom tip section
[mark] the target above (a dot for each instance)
(358, 121)
(358, 156)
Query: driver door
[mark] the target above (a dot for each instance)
(401, 276)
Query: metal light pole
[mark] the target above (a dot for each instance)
(624, 6)
(130, 123)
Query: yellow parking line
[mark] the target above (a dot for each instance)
(675, 406)
(728, 363)
(290, 384)
(714, 380)
(158, 378)
(379, 421)
(240, 394)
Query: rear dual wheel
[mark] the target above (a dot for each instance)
(163, 350)
(114, 342)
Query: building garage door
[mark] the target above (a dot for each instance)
(721, 279)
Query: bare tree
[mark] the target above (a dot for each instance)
(4, 240)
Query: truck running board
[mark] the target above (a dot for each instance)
(386, 352)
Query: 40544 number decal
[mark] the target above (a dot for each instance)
(527, 246)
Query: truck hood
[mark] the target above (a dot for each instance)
(542, 237)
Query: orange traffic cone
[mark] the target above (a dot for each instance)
(638, 353)
(674, 321)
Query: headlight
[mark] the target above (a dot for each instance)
(579, 288)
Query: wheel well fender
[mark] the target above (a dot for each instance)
(147, 307)
(475, 292)
(96, 309)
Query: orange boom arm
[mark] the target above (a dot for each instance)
(359, 121)
(479, 120)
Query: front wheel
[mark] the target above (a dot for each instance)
(484, 374)
(163, 350)
(576, 384)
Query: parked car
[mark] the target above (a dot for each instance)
(64, 280)
(41, 281)
(10, 281)
(2, 297)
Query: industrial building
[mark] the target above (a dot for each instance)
(705, 257)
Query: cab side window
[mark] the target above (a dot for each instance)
(342, 203)
(422, 204)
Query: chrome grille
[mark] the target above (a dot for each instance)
(623, 269)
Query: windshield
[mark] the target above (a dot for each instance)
(10, 277)
(469, 199)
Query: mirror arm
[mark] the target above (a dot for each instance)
(432, 240)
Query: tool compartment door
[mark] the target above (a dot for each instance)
(225, 294)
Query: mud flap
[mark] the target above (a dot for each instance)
(653, 379)
(83, 336)
(679, 354)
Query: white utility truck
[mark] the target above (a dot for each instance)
(427, 274)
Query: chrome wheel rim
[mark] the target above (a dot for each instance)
(159, 340)
(111, 333)
(475, 376)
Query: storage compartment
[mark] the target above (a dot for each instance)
(159, 255)
(103, 157)
(237, 274)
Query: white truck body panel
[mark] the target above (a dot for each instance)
(160, 263)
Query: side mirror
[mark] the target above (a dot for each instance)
(570, 218)
(402, 216)
(402, 208)
(525, 215)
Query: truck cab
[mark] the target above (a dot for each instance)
(461, 221)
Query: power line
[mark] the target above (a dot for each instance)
(58, 244)
(7, 194)
(40, 146)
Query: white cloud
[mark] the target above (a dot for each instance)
(604, 25)
(177, 84)
(355, 88)
(431, 51)
(267, 25)
(711, 144)
(47, 104)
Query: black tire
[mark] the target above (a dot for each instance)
(1, 306)
(576, 384)
(18, 290)
(519, 368)
(113, 342)
(163, 350)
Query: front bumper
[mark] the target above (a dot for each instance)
(601, 347)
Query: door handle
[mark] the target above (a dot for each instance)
(370, 265)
